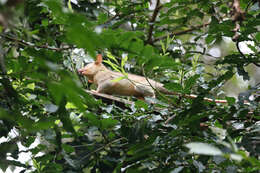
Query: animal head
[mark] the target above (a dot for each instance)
(91, 69)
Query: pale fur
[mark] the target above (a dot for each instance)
(133, 85)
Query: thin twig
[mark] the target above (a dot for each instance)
(111, 19)
(169, 119)
(237, 16)
(242, 54)
(155, 89)
(101, 148)
(24, 43)
(181, 32)
(203, 53)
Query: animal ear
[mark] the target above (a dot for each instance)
(99, 59)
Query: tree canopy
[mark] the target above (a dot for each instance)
(48, 112)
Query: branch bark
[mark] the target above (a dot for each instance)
(237, 16)
(152, 20)
(182, 32)
(111, 99)
(24, 43)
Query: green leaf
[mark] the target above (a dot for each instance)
(190, 82)
(108, 123)
(80, 34)
(70, 105)
(210, 39)
(69, 5)
(257, 36)
(141, 104)
(31, 86)
(68, 148)
(109, 55)
(168, 63)
(253, 48)
(163, 62)
(92, 119)
(29, 141)
(162, 46)
(65, 118)
(125, 39)
(102, 17)
(230, 100)
(57, 12)
(3, 166)
(203, 148)
(16, 118)
(123, 61)
(45, 22)
(148, 51)
(114, 66)
(136, 46)
(75, 98)
(43, 124)
(176, 87)
(56, 91)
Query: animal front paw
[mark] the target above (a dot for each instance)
(94, 91)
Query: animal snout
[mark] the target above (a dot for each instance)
(80, 71)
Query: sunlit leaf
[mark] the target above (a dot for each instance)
(258, 36)
(203, 148)
(108, 123)
(118, 79)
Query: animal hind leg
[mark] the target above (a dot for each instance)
(145, 91)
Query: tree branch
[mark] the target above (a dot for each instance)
(204, 53)
(181, 32)
(24, 43)
(152, 20)
(110, 99)
(237, 16)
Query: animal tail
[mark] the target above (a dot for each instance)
(190, 96)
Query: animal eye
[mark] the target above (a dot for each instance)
(85, 63)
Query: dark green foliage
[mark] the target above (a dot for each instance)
(43, 101)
